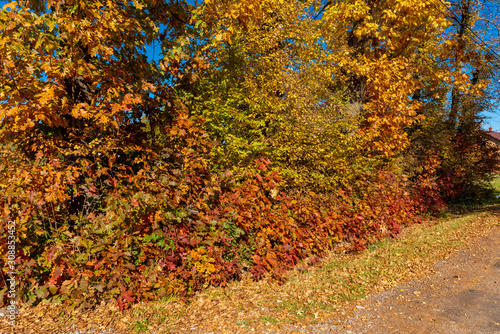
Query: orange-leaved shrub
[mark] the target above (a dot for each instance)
(161, 231)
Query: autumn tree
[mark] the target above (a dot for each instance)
(454, 107)
(81, 108)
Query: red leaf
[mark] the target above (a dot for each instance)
(171, 266)
(113, 182)
(127, 296)
(120, 304)
(56, 276)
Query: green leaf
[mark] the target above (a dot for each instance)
(42, 293)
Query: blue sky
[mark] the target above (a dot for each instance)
(487, 30)
(493, 121)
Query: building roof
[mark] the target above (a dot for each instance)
(493, 134)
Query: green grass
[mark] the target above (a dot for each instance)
(495, 183)
(242, 322)
(141, 326)
(270, 320)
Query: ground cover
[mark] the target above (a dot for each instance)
(316, 291)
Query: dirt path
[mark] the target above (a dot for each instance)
(463, 296)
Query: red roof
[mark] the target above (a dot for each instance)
(494, 134)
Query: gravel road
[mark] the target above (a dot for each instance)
(462, 297)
